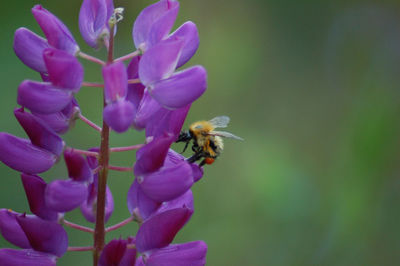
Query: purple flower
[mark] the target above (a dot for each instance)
(57, 34)
(64, 69)
(61, 121)
(118, 253)
(21, 155)
(192, 253)
(93, 20)
(27, 257)
(29, 48)
(78, 167)
(171, 90)
(154, 23)
(35, 188)
(43, 97)
(65, 195)
(119, 113)
(39, 133)
(40, 239)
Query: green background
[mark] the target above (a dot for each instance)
(312, 87)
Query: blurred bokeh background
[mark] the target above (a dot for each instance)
(312, 87)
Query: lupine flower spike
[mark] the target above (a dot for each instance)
(148, 89)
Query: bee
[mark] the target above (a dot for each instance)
(207, 143)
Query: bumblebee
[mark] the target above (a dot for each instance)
(207, 143)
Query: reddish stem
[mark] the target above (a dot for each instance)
(92, 84)
(90, 123)
(134, 81)
(120, 168)
(119, 225)
(80, 248)
(78, 227)
(91, 58)
(83, 152)
(128, 56)
(127, 148)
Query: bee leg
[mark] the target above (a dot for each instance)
(195, 157)
(186, 145)
(202, 163)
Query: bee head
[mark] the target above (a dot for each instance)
(184, 136)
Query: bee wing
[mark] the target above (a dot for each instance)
(224, 134)
(220, 121)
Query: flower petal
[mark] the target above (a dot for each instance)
(135, 91)
(192, 253)
(182, 88)
(29, 48)
(147, 108)
(115, 82)
(45, 236)
(159, 62)
(168, 183)
(56, 32)
(61, 121)
(65, 195)
(26, 257)
(39, 133)
(21, 155)
(159, 230)
(11, 230)
(184, 201)
(88, 207)
(42, 98)
(188, 32)
(165, 120)
(152, 19)
(138, 203)
(93, 20)
(78, 167)
(151, 157)
(35, 188)
(64, 69)
(113, 252)
(119, 115)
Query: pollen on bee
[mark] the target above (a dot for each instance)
(209, 160)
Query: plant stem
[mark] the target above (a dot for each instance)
(92, 84)
(99, 233)
(78, 227)
(127, 148)
(80, 248)
(133, 81)
(83, 152)
(91, 58)
(90, 123)
(120, 168)
(128, 56)
(119, 225)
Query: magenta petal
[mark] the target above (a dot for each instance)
(56, 32)
(151, 157)
(21, 155)
(113, 252)
(183, 201)
(168, 182)
(93, 20)
(35, 188)
(42, 98)
(119, 115)
(192, 253)
(139, 203)
(135, 91)
(61, 121)
(77, 165)
(159, 62)
(182, 88)
(188, 32)
(147, 108)
(151, 19)
(39, 133)
(129, 257)
(88, 207)
(29, 48)
(159, 230)
(162, 26)
(64, 69)
(165, 120)
(11, 230)
(26, 257)
(65, 195)
(115, 82)
(45, 236)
